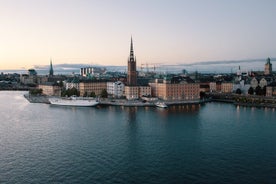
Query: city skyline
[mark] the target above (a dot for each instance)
(168, 32)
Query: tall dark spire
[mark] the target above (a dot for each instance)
(51, 71)
(131, 71)
(131, 55)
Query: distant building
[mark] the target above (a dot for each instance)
(28, 79)
(116, 89)
(242, 85)
(263, 83)
(32, 72)
(226, 87)
(215, 86)
(268, 67)
(254, 83)
(92, 71)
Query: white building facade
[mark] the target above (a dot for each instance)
(116, 89)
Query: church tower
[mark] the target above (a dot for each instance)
(51, 71)
(131, 68)
(268, 67)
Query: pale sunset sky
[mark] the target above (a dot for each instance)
(163, 31)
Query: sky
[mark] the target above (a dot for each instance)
(164, 31)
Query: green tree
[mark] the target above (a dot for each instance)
(104, 93)
(85, 94)
(35, 91)
(93, 94)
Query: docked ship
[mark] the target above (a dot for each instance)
(74, 101)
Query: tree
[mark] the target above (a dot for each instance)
(93, 94)
(250, 91)
(238, 91)
(35, 91)
(71, 92)
(85, 94)
(104, 93)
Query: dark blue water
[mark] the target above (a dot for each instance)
(213, 143)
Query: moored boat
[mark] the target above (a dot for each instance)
(74, 101)
(161, 105)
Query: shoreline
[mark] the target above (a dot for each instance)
(137, 103)
(125, 103)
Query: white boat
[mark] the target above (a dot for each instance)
(161, 105)
(74, 101)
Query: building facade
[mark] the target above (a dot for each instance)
(132, 92)
(50, 89)
(92, 86)
(227, 87)
(181, 91)
(116, 89)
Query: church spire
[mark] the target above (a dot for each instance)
(131, 55)
(51, 71)
(132, 73)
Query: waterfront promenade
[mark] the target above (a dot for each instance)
(117, 102)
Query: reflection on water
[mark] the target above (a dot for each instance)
(215, 142)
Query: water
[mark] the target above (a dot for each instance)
(212, 143)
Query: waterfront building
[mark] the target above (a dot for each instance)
(226, 87)
(87, 87)
(136, 92)
(268, 67)
(50, 89)
(144, 91)
(132, 92)
(175, 91)
(116, 89)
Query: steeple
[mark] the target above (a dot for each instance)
(131, 71)
(51, 71)
(131, 55)
(268, 67)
